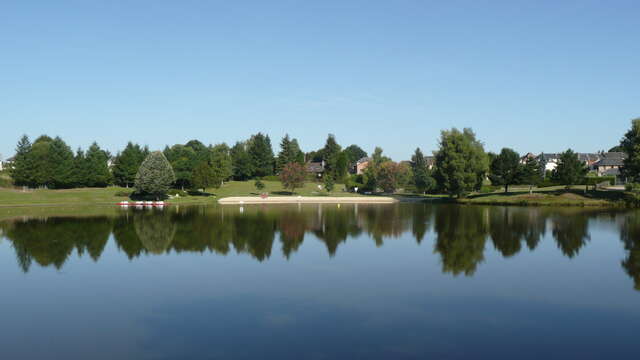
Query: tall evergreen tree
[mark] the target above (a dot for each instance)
(98, 174)
(41, 168)
(242, 168)
(21, 172)
(631, 146)
(261, 153)
(505, 169)
(155, 175)
(289, 152)
(330, 154)
(61, 158)
(126, 164)
(80, 169)
(461, 163)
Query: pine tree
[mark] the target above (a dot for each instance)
(570, 170)
(240, 162)
(261, 153)
(61, 158)
(98, 174)
(126, 164)
(80, 170)
(21, 172)
(289, 152)
(330, 154)
(155, 175)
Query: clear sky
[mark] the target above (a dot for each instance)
(531, 75)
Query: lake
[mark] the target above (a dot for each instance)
(398, 281)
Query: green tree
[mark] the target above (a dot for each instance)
(289, 152)
(330, 154)
(505, 169)
(329, 183)
(203, 177)
(80, 171)
(570, 170)
(98, 174)
(127, 162)
(259, 184)
(388, 176)
(241, 164)
(61, 167)
(421, 177)
(22, 169)
(261, 153)
(631, 146)
(221, 163)
(461, 163)
(155, 175)
(183, 160)
(532, 173)
(354, 153)
(292, 176)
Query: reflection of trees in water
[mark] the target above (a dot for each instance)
(509, 226)
(292, 225)
(422, 215)
(51, 241)
(571, 232)
(630, 236)
(155, 230)
(460, 237)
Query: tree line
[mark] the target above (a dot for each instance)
(459, 166)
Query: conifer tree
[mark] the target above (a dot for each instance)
(261, 153)
(61, 164)
(126, 164)
(421, 177)
(241, 162)
(21, 172)
(155, 175)
(98, 174)
(630, 144)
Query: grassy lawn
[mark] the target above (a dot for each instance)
(551, 196)
(107, 196)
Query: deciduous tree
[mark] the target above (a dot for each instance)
(292, 176)
(505, 169)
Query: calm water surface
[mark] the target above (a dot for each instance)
(402, 281)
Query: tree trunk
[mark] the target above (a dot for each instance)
(506, 188)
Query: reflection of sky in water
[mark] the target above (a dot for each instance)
(365, 301)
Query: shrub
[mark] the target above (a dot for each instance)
(270, 178)
(123, 193)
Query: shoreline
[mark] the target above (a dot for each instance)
(242, 200)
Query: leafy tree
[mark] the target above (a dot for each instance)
(292, 176)
(354, 153)
(97, 169)
(421, 177)
(617, 148)
(261, 153)
(204, 176)
(505, 169)
(155, 175)
(461, 162)
(570, 169)
(241, 164)
(183, 160)
(329, 183)
(388, 176)
(531, 173)
(221, 163)
(342, 166)
(631, 146)
(21, 172)
(126, 164)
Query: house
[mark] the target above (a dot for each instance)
(7, 164)
(362, 164)
(589, 158)
(430, 161)
(549, 161)
(610, 164)
(524, 159)
(316, 167)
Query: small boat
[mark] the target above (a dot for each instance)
(123, 203)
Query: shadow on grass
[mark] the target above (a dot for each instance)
(283, 193)
(199, 193)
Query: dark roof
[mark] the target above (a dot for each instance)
(612, 172)
(315, 167)
(620, 155)
(588, 157)
(549, 156)
(612, 159)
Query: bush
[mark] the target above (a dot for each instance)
(548, 183)
(123, 193)
(632, 187)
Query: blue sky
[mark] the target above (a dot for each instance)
(531, 75)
